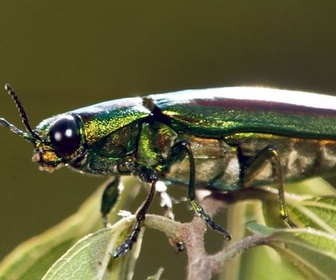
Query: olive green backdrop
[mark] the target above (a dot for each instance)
(61, 55)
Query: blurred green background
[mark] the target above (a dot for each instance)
(62, 55)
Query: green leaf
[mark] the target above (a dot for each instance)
(33, 258)
(310, 250)
(316, 212)
(260, 229)
(313, 251)
(157, 276)
(307, 251)
(91, 257)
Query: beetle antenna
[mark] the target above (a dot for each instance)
(23, 116)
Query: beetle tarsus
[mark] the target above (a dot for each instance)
(209, 221)
(149, 175)
(216, 227)
(290, 223)
(129, 241)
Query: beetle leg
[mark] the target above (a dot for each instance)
(148, 175)
(255, 165)
(185, 145)
(109, 198)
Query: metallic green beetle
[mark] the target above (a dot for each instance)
(222, 139)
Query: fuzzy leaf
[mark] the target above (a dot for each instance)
(33, 258)
(91, 257)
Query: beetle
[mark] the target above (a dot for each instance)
(221, 139)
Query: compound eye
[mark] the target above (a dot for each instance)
(65, 136)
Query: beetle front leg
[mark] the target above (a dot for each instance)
(184, 145)
(251, 168)
(109, 198)
(149, 176)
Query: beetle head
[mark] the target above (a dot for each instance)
(57, 140)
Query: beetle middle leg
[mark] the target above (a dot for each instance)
(251, 168)
(178, 152)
